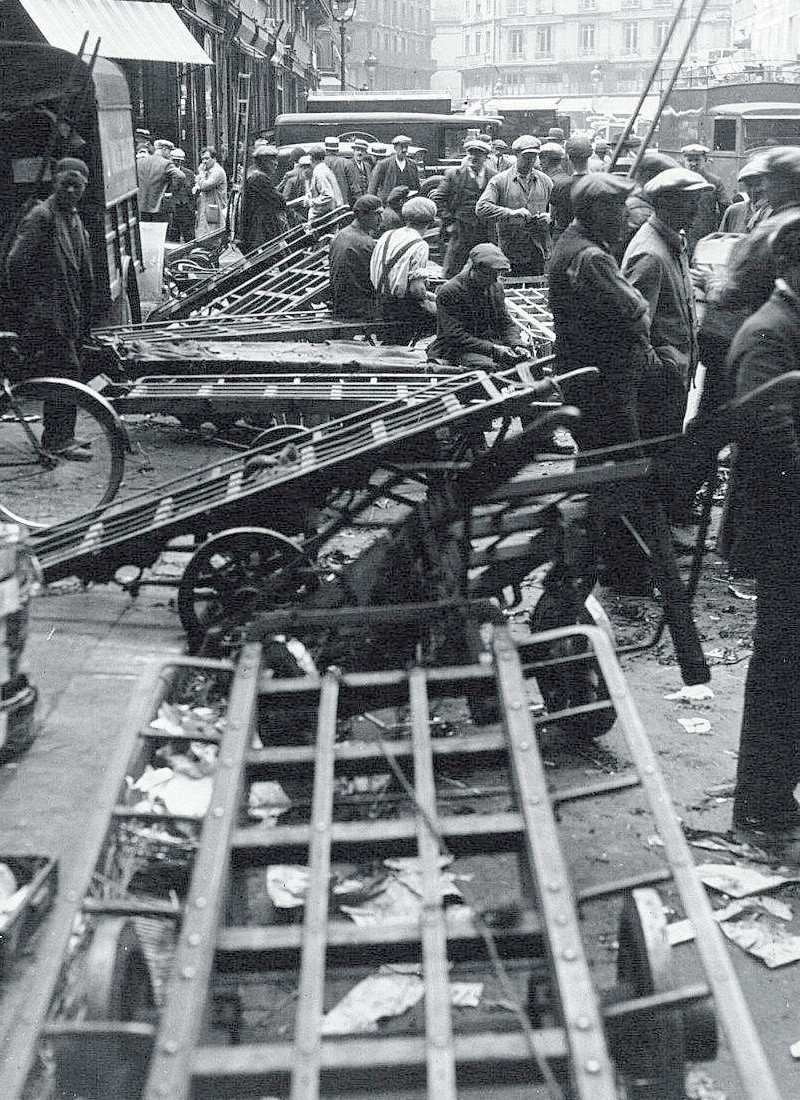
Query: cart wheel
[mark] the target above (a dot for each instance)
(576, 684)
(118, 985)
(237, 573)
(649, 1049)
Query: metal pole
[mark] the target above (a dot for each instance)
(653, 73)
(341, 52)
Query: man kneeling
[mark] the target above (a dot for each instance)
(473, 326)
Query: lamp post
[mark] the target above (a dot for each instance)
(344, 10)
(371, 65)
(596, 77)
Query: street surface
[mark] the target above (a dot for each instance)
(87, 649)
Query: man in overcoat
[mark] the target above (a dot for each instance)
(456, 198)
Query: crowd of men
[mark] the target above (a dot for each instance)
(617, 251)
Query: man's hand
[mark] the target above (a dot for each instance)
(504, 354)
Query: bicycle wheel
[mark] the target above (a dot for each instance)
(41, 489)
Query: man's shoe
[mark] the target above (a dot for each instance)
(782, 844)
(71, 451)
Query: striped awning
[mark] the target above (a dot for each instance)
(129, 30)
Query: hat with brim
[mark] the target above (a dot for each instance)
(526, 143)
(695, 150)
(264, 149)
(499, 144)
(72, 164)
(359, 143)
(401, 139)
(552, 148)
(489, 255)
(331, 143)
(378, 149)
(651, 163)
(598, 187)
(177, 154)
(783, 160)
(478, 146)
(367, 204)
(419, 208)
(756, 166)
(784, 239)
(674, 181)
(304, 161)
(578, 146)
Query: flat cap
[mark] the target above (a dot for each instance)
(598, 187)
(525, 142)
(652, 163)
(316, 150)
(367, 204)
(419, 208)
(264, 149)
(398, 195)
(784, 239)
(674, 181)
(142, 133)
(695, 149)
(331, 142)
(164, 143)
(478, 144)
(498, 143)
(177, 154)
(578, 145)
(72, 164)
(359, 143)
(489, 255)
(553, 148)
(401, 139)
(304, 160)
(783, 160)
(756, 166)
(555, 133)
(600, 143)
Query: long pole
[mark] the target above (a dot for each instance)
(645, 91)
(341, 53)
(670, 86)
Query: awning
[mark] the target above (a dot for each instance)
(129, 30)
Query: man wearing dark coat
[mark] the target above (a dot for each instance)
(473, 326)
(263, 206)
(456, 197)
(764, 542)
(181, 202)
(714, 202)
(394, 171)
(344, 168)
(50, 269)
(352, 292)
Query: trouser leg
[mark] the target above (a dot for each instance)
(769, 750)
(55, 358)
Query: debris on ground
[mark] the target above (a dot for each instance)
(763, 936)
(266, 801)
(699, 1086)
(168, 791)
(740, 882)
(695, 724)
(690, 693)
(682, 931)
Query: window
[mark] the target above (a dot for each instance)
(466, 42)
(516, 44)
(587, 5)
(661, 30)
(544, 7)
(628, 5)
(630, 38)
(544, 42)
(586, 38)
(477, 42)
(478, 9)
(515, 7)
(488, 41)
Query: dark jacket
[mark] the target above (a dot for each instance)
(470, 318)
(386, 175)
(347, 177)
(263, 213)
(763, 524)
(711, 205)
(352, 293)
(52, 278)
(156, 175)
(451, 199)
(456, 198)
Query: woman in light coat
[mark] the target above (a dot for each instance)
(211, 188)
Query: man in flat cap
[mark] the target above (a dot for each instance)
(391, 216)
(639, 206)
(516, 201)
(577, 149)
(362, 162)
(473, 326)
(324, 192)
(456, 198)
(501, 158)
(763, 543)
(656, 263)
(398, 272)
(296, 190)
(601, 322)
(156, 175)
(713, 203)
(180, 201)
(345, 170)
(49, 268)
(551, 160)
(395, 170)
(263, 207)
(600, 160)
(352, 292)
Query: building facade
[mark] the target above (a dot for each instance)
(586, 47)
(446, 47)
(387, 47)
(769, 29)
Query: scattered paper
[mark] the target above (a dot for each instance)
(794, 1050)
(391, 992)
(267, 800)
(740, 882)
(695, 725)
(175, 794)
(466, 994)
(699, 1086)
(682, 931)
(287, 885)
(690, 693)
(764, 937)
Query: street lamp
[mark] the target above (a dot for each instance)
(596, 76)
(344, 10)
(371, 65)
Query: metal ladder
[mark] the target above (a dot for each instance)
(578, 1044)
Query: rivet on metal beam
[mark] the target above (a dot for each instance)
(218, 811)
(188, 972)
(554, 887)
(592, 1066)
(321, 826)
(562, 919)
(194, 940)
(583, 1023)
(569, 954)
(227, 761)
(200, 903)
(523, 746)
(169, 1047)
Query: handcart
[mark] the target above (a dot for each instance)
(210, 954)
